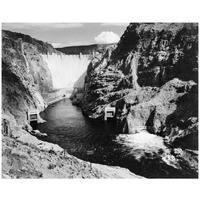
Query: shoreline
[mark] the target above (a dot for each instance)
(25, 156)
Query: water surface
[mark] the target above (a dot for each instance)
(144, 154)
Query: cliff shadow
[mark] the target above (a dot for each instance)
(185, 118)
(78, 90)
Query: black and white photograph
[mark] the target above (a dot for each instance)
(125, 106)
(99, 100)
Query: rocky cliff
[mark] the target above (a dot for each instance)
(24, 74)
(151, 77)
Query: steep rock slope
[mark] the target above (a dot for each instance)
(25, 75)
(151, 77)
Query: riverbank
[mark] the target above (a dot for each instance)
(141, 153)
(23, 158)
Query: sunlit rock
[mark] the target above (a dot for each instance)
(153, 71)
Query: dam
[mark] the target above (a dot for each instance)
(67, 69)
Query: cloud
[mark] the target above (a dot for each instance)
(107, 37)
(115, 24)
(40, 26)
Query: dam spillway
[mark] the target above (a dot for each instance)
(66, 69)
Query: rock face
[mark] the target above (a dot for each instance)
(24, 74)
(151, 77)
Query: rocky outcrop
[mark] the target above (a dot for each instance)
(165, 108)
(24, 74)
(151, 77)
(166, 51)
(103, 85)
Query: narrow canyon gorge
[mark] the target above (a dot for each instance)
(150, 78)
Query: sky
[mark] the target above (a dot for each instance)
(70, 34)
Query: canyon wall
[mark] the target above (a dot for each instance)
(24, 75)
(151, 77)
(30, 68)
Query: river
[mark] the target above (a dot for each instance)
(144, 154)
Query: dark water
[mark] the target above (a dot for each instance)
(143, 154)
